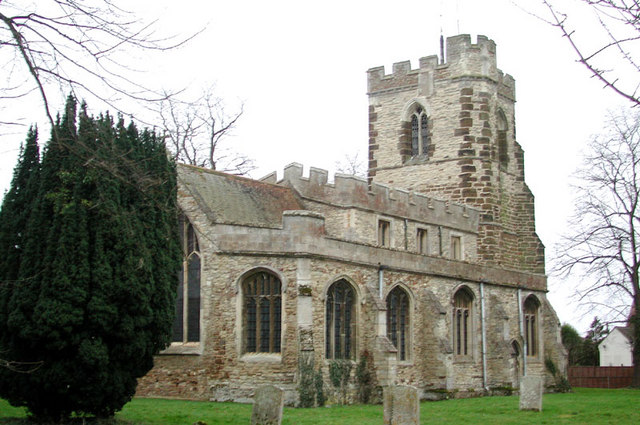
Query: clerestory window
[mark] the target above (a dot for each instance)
(384, 233)
(186, 325)
(419, 133)
(422, 241)
(456, 248)
(262, 313)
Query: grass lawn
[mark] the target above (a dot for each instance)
(584, 406)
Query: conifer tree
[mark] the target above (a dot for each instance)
(94, 295)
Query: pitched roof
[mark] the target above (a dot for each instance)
(626, 331)
(229, 199)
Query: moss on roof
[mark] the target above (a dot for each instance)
(230, 199)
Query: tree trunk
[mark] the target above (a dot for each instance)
(635, 326)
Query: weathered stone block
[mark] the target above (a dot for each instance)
(531, 393)
(401, 405)
(268, 404)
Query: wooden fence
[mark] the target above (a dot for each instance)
(600, 377)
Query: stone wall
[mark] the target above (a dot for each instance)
(307, 261)
(462, 98)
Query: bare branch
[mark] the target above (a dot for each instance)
(197, 132)
(80, 47)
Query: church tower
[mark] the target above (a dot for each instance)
(448, 130)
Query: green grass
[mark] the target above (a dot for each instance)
(584, 406)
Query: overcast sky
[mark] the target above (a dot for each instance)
(300, 69)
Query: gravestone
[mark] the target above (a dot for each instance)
(401, 405)
(531, 393)
(268, 403)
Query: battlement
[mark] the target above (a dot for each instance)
(349, 191)
(463, 59)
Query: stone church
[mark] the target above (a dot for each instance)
(432, 265)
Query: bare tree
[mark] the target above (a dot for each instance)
(76, 46)
(603, 245)
(352, 164)
(613, 57)
(197, 131)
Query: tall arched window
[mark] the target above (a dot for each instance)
(341, 321)
(531, 305)
(503, 152)
(398, 330)
(262, 313)
(419, 133)
(462, 326)
(186, 325)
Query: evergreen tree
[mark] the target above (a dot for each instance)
(14, 215)
(95, 291)
(572, 342)
(596, 333)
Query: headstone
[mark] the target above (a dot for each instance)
(531, 393)
(268, 403)
(401, 405)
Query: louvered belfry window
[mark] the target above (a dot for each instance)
(262, 311)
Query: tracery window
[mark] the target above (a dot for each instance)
(531, 325)
(398, 330)
(419, 133)
(462, 304)
(262, 313)
(340, 321)
(186, 325)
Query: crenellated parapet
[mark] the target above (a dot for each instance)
(463, 59)
(349, 191)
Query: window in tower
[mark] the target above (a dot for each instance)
(419, 133)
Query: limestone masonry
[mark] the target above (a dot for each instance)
(431, 266)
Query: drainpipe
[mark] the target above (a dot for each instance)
(524, 340)
(484, 337)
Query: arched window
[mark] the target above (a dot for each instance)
(462, 329)
(419, 133)
(398, 330)
(503, 152)
(262, 313)
(341, 321)
(531, 305)
(186, 325)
